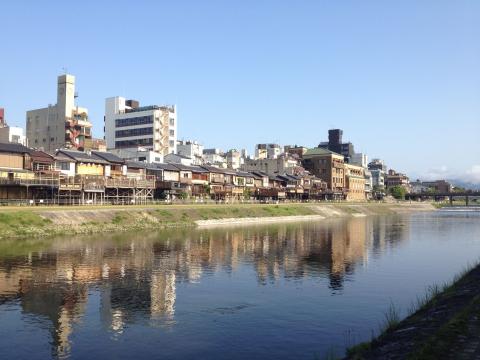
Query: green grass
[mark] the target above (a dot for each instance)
(441, 341)
(391, 318)
(446, 337)
(21, 222)
(118, 218)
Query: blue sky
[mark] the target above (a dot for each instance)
(401, 78)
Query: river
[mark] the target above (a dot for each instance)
(286, 291)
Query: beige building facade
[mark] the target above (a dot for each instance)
(355, 182)
(63, 125)
(328, 166)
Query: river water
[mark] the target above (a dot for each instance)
(287, 291)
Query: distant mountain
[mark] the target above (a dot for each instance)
(464, 184)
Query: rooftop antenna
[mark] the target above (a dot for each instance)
(65, 70)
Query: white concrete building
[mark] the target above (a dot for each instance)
(178, 159)
(378, 168)
(129, 126)
(191, 149)
(234, 159)
(214, 157)
(139, 154)
(267, 151)
(359, 159)
(12, 134)
(378, 178)
(64, 125)
(283, 164)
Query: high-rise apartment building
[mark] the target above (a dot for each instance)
(63, 125)
(129, 126)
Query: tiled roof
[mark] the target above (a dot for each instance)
(319, 151)
(81, 156)
(214, 169)
(245, 174)
(14, 148)
(166, 166)
(41, 156)
(136, 164)
(103, 155)
(196, 169)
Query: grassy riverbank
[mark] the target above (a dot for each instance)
(47, 221)
(445, 326)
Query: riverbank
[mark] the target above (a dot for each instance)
(49, 221)
(446, 326)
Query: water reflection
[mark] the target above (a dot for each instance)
(136, 275)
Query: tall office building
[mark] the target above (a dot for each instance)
(336, 145)
(63, 125)
(129, 126)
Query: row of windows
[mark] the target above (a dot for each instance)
(133, 143)
(139, 120)
(134, 132)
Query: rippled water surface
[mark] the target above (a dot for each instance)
(289, 291)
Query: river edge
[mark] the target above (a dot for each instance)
(43, 222)
(445, 325)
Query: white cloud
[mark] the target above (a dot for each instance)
(473, 174)
(436, 174)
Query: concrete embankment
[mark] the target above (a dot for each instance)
(446, 326)
(257, 220)
(37, 221)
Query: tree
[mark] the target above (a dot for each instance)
(183, 195)
(398, 192)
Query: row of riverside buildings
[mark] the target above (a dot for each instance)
(140, 160)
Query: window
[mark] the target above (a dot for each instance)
(133, 143)
(171, 143)
(157, 159)
(134, 132)
(139, 120)
(172, 122)
(64, 166)
(142, 158)
(172, 132)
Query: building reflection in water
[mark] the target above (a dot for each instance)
(137, 275)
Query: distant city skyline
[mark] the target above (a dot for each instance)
(401, 80)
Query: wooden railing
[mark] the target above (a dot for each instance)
(37, 181)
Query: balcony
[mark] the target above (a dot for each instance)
(145, 184)
(121, 182)
(37, 181)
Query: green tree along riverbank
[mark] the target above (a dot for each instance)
(48, 221)
(445, 325)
